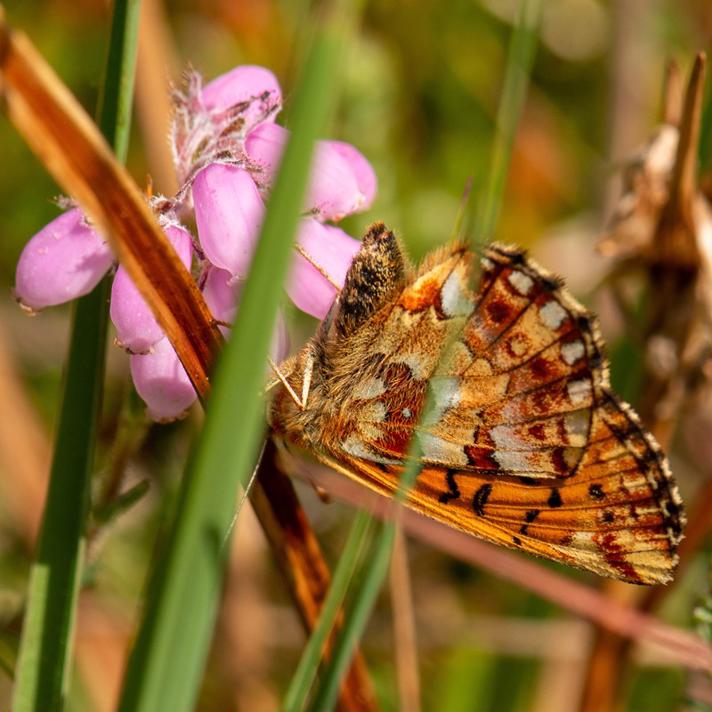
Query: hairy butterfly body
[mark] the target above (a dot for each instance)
(525, 445)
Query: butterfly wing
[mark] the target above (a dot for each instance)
(526, 445)
(516, 392)
(618, 514)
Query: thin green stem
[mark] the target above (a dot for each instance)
(520, 57)
(45, 646)
(306, 671)
(166, 665)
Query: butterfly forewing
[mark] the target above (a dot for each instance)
(525, 445)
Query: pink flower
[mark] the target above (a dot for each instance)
(322, 250)
(246, 83)
(334, 189)
(228, 214)
(162, 382)
(222, 294)
(226, 150)
(63, 261)
(136, 328)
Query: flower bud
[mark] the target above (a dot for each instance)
(333, 188)
(162, 382)
(136, 328)
(228, 213)
(332, 250)
(244, 83)
(222, 294)
(63, 261)
(361, 168)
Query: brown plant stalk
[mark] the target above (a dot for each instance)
(672, 263)
(70, 146)
(681, 647)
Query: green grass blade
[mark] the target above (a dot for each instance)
(371, 578)
(519, 62)
(520, 57)
(306, 671)
(167, 662)
(356, 618)
(116, 98)
(45, 645)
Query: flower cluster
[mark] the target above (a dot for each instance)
(226, 148)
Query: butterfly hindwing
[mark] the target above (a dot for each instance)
(618, 514)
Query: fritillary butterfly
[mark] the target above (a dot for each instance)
(526, 445)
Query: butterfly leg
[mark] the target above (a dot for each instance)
(306, 383)
(301, 402)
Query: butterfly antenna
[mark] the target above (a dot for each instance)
(245, 492)
(463, 211)
(317, 267)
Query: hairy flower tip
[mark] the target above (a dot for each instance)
(222, 294)
(63, 261)
(162, 382)
(255, 87)
(136, 328)
(334, 190)
(319, 269)
(228, 213)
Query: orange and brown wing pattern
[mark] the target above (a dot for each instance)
(516, 390)
(618, 514)
(525, 446)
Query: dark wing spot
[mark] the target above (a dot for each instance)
(558, 460)
(453, 490)
(498, 311)
(549, 282)
(540, 367)
(530, 516)
(537, 431)
(596, 491)
(608, 516)
(516, 540)
(480, 499)
(481, 458)
(554, 499)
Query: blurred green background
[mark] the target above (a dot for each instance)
(419, 97)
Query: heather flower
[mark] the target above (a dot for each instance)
(226, 150)
(136, 328)
(319, 269)
(333, 192)
(222, 294)
(228, 214)
(162, 382)
(66, 259)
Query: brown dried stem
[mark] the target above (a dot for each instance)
(681, 647)
(672, 93)
(69, 145)
(404, 633)
(673, 263)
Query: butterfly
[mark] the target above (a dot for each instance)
(524, 443)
